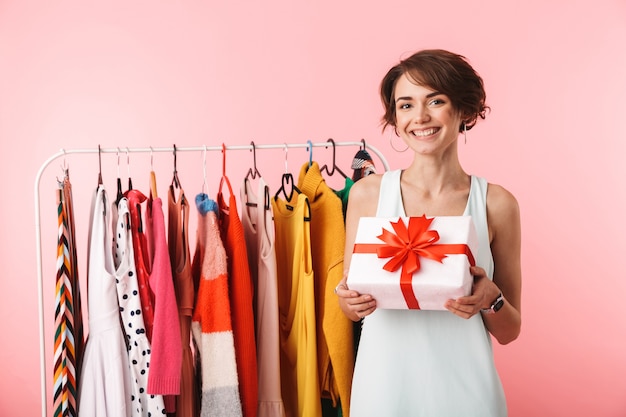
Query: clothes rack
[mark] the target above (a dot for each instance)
(64, 152)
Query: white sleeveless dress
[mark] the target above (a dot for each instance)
(105, 389)
(428, 363)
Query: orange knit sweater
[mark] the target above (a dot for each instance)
(240, 284)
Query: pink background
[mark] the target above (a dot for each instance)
(137, 74)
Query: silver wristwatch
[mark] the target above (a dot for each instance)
(495, 306)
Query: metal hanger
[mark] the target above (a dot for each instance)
(175, 180)
(99, 165)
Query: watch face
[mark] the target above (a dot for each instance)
(498, 304)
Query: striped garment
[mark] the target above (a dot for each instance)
(68, 337)
(211, 324)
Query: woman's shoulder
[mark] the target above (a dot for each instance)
(502, 206)
(366, 186)
(363, 198)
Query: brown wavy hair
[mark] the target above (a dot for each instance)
(445, 72)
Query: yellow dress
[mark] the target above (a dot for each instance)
(296, 306)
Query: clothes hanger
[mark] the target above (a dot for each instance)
(130, 180)
(99, 165)
(310, 148)
(287, 181)
(266, 197)
(224, 177)
(204, 185)
(153, 187)
(64, 169)
(335, 167)
(253, 172)
(120, 194)
(175, 180)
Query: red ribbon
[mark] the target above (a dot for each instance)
(405, 248)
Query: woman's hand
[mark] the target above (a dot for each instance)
(484, 291)
(354, 305)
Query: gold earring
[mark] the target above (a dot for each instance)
(391, 142)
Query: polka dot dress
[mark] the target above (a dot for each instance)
(143, 404)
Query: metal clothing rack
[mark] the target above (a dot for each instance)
(63, 152)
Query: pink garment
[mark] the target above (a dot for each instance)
(256, 217)
(166, 360)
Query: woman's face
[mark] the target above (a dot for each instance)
(425, 119)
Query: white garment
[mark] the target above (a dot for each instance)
(428, 363)
(142, 403)
(105, 380)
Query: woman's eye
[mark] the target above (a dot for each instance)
(404, 106)
(436, 101)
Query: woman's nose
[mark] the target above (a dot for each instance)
(421, 114)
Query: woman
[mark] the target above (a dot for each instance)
(436, 363)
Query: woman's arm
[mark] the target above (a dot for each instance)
(362, 202)
(504, 228)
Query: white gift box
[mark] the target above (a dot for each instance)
(441, 248)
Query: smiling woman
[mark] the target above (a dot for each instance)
(429, 98)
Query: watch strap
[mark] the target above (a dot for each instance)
(495, 306)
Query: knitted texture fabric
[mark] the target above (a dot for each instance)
(211, 322)
(334, 330)
(166, 355)
(240, 284)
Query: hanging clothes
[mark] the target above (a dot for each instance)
(105, 380)
(343, 195)
(211, 326)
(68, 339)
(142, 259)
(258, 226)
(139, 350)
(299, 375)
(362, 165)
(335, 352)
(79, 337)
(166, 360)
(240, 285)
(178, 244)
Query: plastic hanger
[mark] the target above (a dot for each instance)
(335, 167)
(253, 172)
(120, 194)
(287, 181)
(224, 177)
(310, 148)
(204, 185)
(266, 197)
(130, 180)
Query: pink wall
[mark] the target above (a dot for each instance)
(78, 74)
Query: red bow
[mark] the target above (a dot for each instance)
(408, 244)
